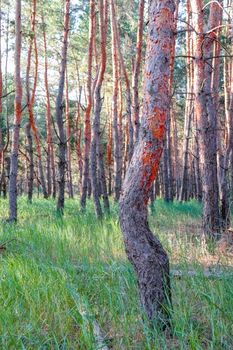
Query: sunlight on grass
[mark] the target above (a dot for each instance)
(58, 275)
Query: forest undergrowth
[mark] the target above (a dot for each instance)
(58, 276)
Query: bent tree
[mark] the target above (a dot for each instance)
(143, 249)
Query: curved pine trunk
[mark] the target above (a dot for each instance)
(144, 250)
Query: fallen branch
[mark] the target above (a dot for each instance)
(3, 245)
(205, 273)
(99, 337)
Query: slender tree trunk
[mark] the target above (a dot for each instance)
(128, 90)
(3, 176)
(50, 164)
(143, 248)
(136, 70)
(59, 113)
(68, 136)
(30, 172)
(175, 153)
(225, 163)
(206, 119)
(87, 123)
(96, 149)
(168, 147)
(17, 118)
(31, 96)
(78, 144)
(117, 149)
(183, 195)
(109, 158)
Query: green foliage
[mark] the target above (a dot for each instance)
(59, 275)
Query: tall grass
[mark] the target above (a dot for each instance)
(59, 275)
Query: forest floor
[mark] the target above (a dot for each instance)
(59, 277)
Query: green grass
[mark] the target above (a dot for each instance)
(58, 276)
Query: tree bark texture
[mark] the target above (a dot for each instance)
(144, 250)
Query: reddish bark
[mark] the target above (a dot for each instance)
(143, 248)
(116, 145)
(31, 96)
(87, 123)
(206, 117)
(183, 195)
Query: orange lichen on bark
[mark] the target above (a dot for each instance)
(165, 16)
(156, 123)
(150, 160)
(17, 111)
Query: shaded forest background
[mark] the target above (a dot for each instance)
(184, 159)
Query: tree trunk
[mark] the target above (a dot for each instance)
(109, 157)
(78, 145)
(17, 118)
(50, 164)
(130, 144)
(116, 145)
(136, 70)
(30, 173)
(143, 249)
(96, 149)
(225, 163)
(59, 113)
(3, 179)
(87, 123)
(183, 195)
(206, 120)
(68, 136)
(31, 96)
